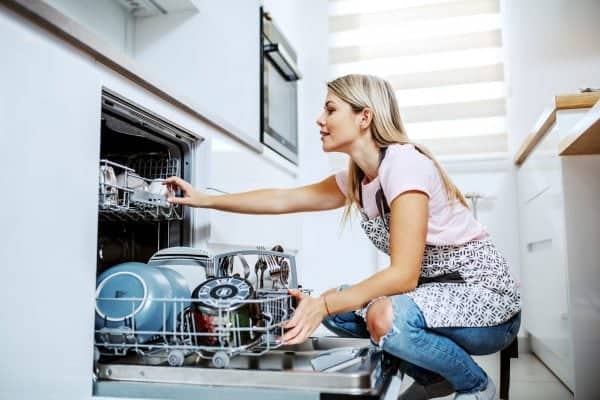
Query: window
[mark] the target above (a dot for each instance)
(444, 59)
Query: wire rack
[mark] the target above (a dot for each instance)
(215, 330)
(124, 192)
(249, 328)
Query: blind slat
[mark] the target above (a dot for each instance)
(339, 55)
(341, 7)
(470, 145)
(463, 8)
(440, 112)
(456, 128)
(415, 30)
(450, 77)
(450, 94)
(422, 62)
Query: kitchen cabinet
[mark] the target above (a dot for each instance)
(543, 259)
(559, 222)
(49, 123)
(200, 49)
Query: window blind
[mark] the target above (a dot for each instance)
(444, 59)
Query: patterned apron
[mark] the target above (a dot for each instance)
(466, 285)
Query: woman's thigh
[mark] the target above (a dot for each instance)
(484, 340)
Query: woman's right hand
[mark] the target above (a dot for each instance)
(191, 197)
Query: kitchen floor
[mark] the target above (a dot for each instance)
(529, 379)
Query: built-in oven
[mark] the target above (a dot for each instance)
(279, 91)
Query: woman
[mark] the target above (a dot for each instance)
(447, 293)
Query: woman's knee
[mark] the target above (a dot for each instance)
(380, 318)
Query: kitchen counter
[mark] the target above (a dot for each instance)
(584, 137)
(548, 118)
(80, 37)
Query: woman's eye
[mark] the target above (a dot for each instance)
(329, 111)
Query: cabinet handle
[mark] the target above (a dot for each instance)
(539, 244)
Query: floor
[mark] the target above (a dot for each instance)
(529, 379)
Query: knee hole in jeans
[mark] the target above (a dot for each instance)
(380, 318)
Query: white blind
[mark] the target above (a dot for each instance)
(444, 59)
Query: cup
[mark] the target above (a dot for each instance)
(157, 186)
(108, 181)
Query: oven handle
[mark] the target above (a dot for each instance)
(271, 49)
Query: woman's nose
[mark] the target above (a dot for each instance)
(320, 121)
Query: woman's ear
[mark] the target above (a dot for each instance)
(366, 117)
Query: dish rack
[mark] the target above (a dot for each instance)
(124, 203)
(249, 327)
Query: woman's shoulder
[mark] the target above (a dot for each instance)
(407, 155)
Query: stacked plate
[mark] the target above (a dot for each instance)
(194, 264)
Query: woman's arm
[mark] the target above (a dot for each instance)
(324, 195)
(408, 231)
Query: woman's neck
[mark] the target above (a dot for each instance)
(365, 153)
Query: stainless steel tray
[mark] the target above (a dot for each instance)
(287, 367)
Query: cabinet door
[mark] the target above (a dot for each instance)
(49, 145)
(543, 251)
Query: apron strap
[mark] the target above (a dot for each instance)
(361, 176)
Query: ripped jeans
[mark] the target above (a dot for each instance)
(431, 354)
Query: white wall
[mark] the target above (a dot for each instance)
(551, 48)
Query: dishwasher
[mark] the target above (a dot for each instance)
(215, 334)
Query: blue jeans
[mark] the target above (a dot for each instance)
(431, 354)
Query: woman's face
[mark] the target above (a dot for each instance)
(339, 125)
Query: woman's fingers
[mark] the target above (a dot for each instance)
(175, 182)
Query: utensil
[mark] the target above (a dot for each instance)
(261, 264)
(278, 268)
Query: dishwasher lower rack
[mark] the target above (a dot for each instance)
(248, 328)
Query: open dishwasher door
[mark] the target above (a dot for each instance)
(320, 368)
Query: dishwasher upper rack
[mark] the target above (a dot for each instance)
(226, 333)
(122, 203)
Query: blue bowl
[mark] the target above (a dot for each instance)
(141, 283)
(181, 292)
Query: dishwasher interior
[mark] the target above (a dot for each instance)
(137, 150)
(167, 313)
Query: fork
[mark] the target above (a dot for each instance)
(262, 264)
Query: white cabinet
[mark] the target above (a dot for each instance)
(49, 146)
(546, 208)
(543, 257)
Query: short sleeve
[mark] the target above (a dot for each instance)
(341, 178)
(404, 169)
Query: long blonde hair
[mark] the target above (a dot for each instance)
(361, 91)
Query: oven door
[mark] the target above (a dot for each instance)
(280, 130)
(279, 94)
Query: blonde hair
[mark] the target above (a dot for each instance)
(362, 91)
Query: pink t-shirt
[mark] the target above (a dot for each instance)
(404, 168)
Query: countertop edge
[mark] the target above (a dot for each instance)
(584, 137)
(52, 20)
(548, 117)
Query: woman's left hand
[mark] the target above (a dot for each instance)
(307, 317)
